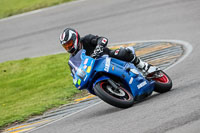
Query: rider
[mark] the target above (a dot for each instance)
(95, 46)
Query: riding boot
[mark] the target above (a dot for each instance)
(144, 66)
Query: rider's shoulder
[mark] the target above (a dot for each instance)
(88, 37)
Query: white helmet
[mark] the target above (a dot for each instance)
(70, 40)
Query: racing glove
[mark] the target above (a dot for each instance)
(98, 51)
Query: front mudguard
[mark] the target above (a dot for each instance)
(100, 79)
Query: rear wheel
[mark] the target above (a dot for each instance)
(162, 83)
(119, 97)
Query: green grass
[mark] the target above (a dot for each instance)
(13, 7)
(31, 86)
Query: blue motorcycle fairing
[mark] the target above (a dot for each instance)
(138, 84)
(83, 73)
(127, 73)
(133, 82)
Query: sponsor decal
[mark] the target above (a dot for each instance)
(107, 64)
(131, 81)
(89, 69)
(85, 78)
(104, 40)
(85, 61)
(142, 84)
(91, 63)
(85, 66)
(116, 52)
(113, 68)
(79, 81)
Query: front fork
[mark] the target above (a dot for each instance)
(114, 85)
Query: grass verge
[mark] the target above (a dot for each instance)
(31, 86)
(13, 7)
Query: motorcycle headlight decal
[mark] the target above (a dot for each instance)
(81, 73)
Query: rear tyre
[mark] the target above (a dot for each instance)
(162, 84)
(120, 97)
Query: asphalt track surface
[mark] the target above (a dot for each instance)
(37, 33)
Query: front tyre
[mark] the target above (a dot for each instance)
(119, 97)
(163, 83)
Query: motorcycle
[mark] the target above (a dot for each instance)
(117, 82)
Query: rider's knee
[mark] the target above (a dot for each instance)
(124, 54)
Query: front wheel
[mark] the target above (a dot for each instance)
(119, 97)
(163, 83)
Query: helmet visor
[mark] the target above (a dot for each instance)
(68, 45)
